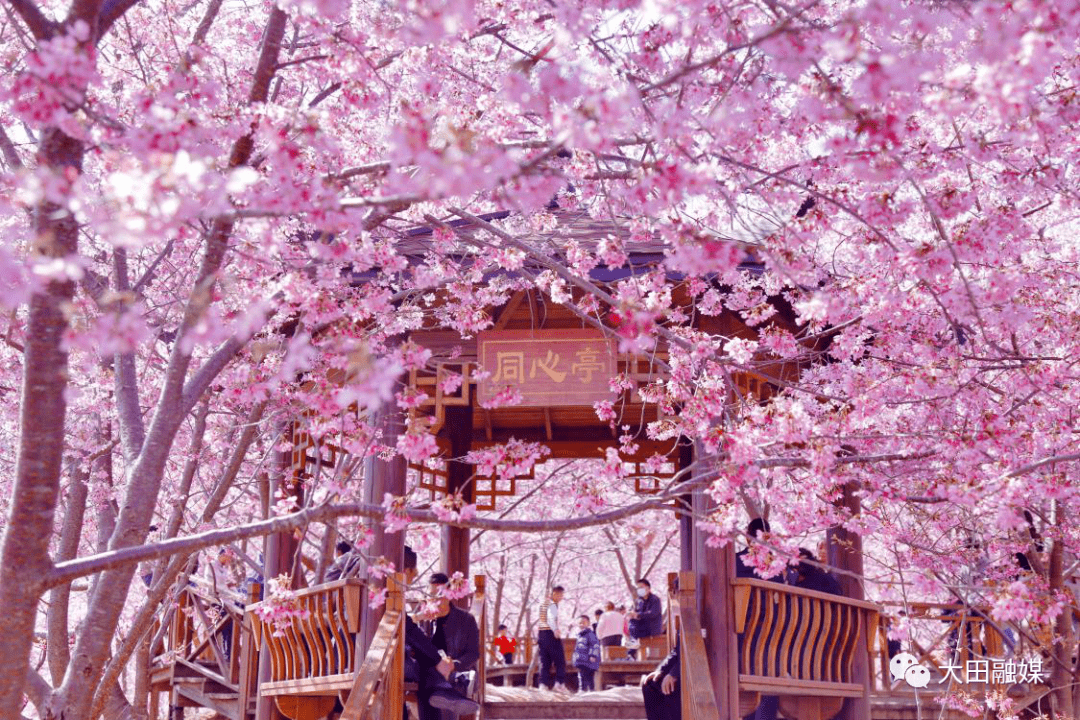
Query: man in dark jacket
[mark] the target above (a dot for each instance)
(455, 634)
(647, 617)
(660, 688)
(756, 528)
(432, 671)
(348, 563)
(813, 577)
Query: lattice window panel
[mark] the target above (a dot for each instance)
(306, 453)
(430, 475)
(430, 383)
(753, 388)
(650, 483)
(487, 489)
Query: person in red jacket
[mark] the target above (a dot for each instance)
(505, 645)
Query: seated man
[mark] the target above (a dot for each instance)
(647, 617)
(754, 530)
(456, 637)
(813, 577)
(348, 563)
(660, 688)
(770, 704)
(429, 669)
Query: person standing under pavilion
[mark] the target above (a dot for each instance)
(549, 641)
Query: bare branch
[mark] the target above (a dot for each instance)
(111, 11)
(41, 27)
(11, 153)
(1024, 470)
(251, 427)
(68, 571)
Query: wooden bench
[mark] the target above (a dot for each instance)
(653, 648)
(613, 653)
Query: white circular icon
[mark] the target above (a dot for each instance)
(900, 663)
(917, 676)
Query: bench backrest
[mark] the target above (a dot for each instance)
(802, 637)
(320, 639)
(613, 652)
(653, 648)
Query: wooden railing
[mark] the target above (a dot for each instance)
(379, 689)
(959, 632)
(796, 641)
(203, 650)
(698, 700)
(205, 635)
(320, 641)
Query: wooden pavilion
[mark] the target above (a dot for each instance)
(820, 653)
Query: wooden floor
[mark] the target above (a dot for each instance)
(905, 706)
(519, 703)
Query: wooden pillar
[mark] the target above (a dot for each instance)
(715, 568)
(381, 477)
(455, 541)
(685, 503)
(844, 550)
(278, 553)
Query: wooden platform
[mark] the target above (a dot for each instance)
(905, 706)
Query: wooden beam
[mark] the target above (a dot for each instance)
(509, 310)
(685, 518)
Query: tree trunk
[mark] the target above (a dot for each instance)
(1060, 672)
(523, 615)
(140, 692)
(496, 610)
(57, 649)
(24, 557)
(176, 399)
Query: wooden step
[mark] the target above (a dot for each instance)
(569, 710)
(518, 703)
(225, 706)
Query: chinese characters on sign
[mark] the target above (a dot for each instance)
(547, 367)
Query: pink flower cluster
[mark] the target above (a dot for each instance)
(509, 460)
(280, 607)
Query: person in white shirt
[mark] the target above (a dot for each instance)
(549, 642)
(610, 626)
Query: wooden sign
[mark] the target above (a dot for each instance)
(548, 367)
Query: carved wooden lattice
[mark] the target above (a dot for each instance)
(431, 383)
(648, 482)
(306, 452)
(431, 476)
(489, 488)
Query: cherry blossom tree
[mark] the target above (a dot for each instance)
(220, 217)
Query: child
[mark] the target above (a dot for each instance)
(586, 654)
(505, 645)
